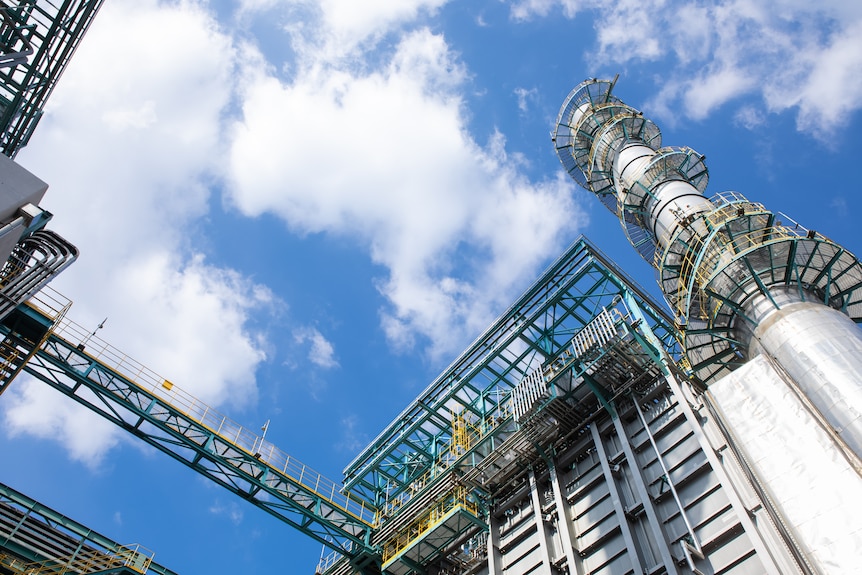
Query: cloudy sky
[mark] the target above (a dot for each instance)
(303, 210)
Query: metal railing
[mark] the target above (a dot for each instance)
(428, 521)
(228, 430)
(84, 561)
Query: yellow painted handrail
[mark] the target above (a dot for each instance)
(85, 561)
(427, 521)
(226, 429)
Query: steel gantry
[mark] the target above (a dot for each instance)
(39, 541)
(580, 339)
(150, 407)
(537, 327)
(37, 39)
(583, 336)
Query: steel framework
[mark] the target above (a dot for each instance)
(37, 39)
(63, 355)
(716, 258)
(37, 539)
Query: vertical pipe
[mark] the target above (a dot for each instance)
(495, 559)
(666, 473)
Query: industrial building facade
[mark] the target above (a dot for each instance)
(611, 462)
(589, 430)
(564, 440)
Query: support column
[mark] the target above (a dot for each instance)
(564, 522)
(643, 494)
(540, 523)
(622, 518)
(495, 559)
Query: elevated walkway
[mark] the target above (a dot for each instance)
(129, 560)
(67, 357)
(452, 518)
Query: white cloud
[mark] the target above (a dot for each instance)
(839, 64)
(33, 408)
(384, 156)
(230, 510)
(129, 147)
(715, 88)
(321, 352)
(330, 30)
(749, 117)
(528, 9)
(787, 53)
(351, 440)
(840, 206)
(525, 96)
(629, 30)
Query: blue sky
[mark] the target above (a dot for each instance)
(302, 211)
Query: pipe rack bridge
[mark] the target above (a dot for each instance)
(39, 340)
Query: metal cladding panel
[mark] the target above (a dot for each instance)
(811, 482)
(17, 188)
(821, 349)
(623, 512)
(646, 501)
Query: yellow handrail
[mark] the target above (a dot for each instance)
(226, 429)
(86, 561)
(457, 498)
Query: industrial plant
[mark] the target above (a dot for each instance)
(589, 430)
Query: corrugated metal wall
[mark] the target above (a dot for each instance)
(609, 502)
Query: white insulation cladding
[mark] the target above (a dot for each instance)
(817, 489)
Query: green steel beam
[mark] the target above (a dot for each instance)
(33, 514)
(42, 36)
(563, 300)
(62, 365)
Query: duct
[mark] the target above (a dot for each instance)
(820, 348)
(34, 263)
(673, 201)
(812, 484)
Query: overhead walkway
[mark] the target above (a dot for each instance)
(152, 408)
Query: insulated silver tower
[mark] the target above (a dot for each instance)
(744, 283)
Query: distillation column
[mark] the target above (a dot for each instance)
(744, 283)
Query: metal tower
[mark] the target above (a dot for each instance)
(742, 280)
(747, 285)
